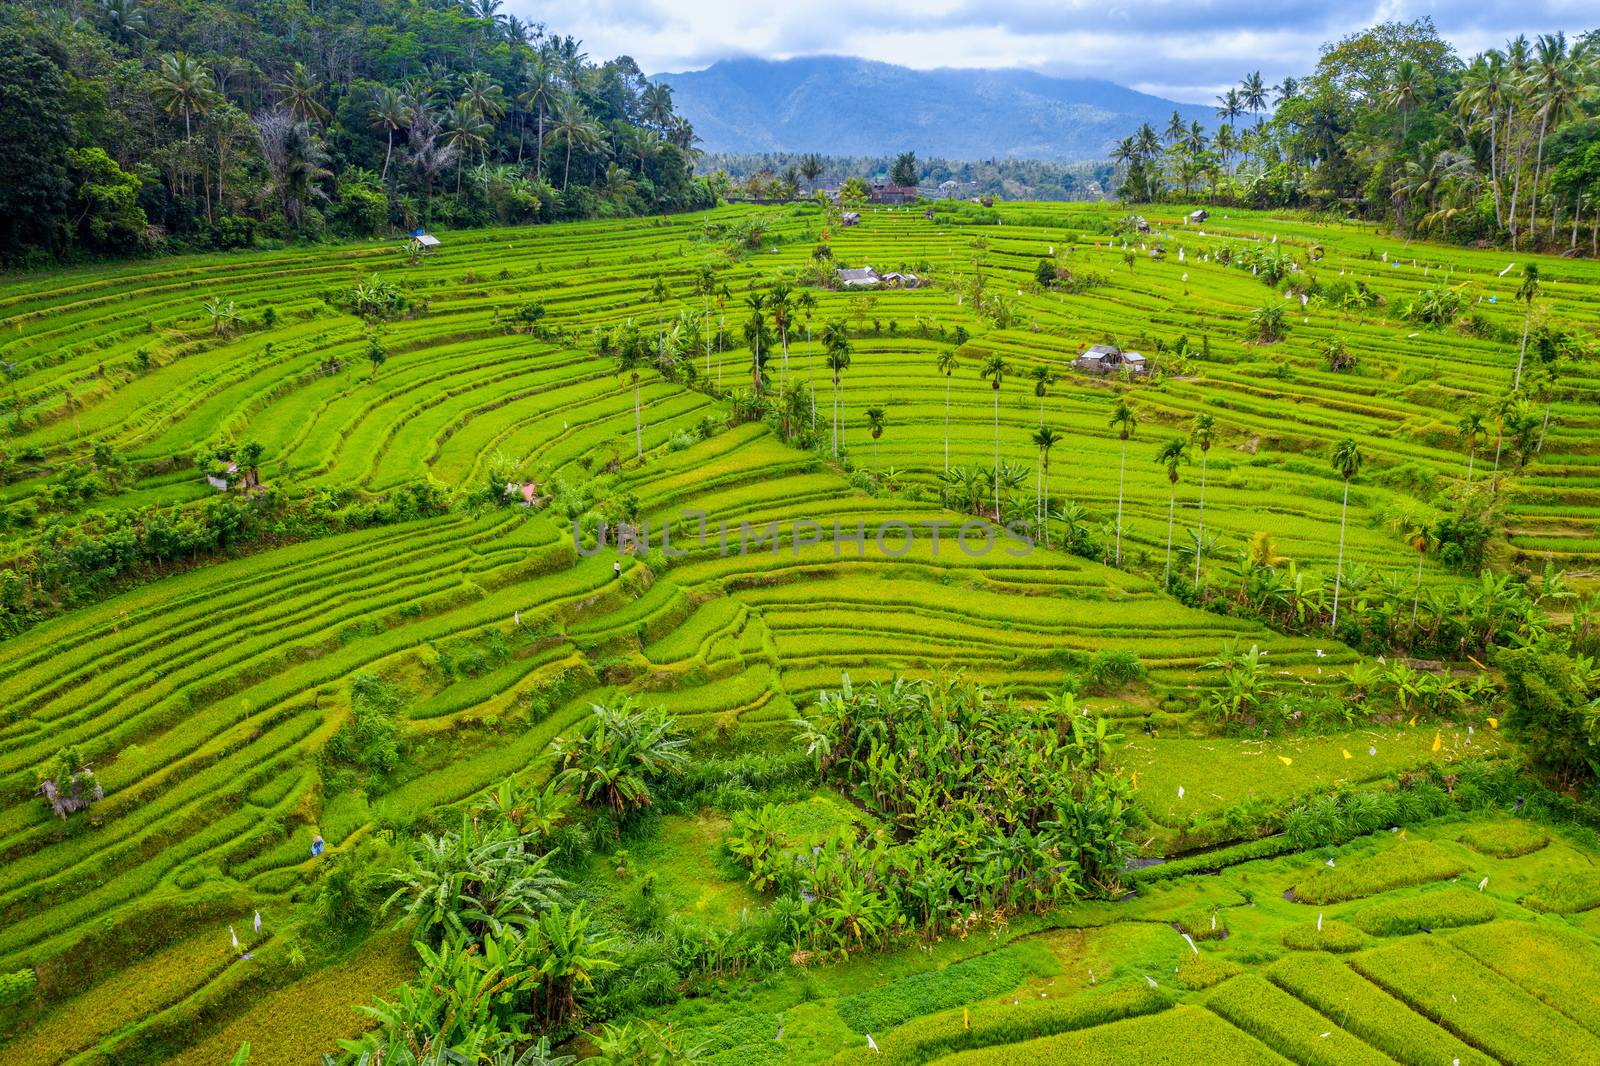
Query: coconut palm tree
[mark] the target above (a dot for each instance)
(805, 304)
(836, 342)
(947, 366)
(1253, 93)
(1202, 433)
(389, 113)
(1555, 85)
(1527, 292)
(1415, 529)
(779, 303)
(1125, 420)
(1045, 438)
(1347, 461)
(540, 97)
(1042, 380)
(465, 130)
(875, 424)
(1471, 427)
(811, 166)
(185, 87)
(574, 128)
(301, 95)
(1404, 93)
(757, 302)
(1230, 107)
(994, 370)
(1173, 454)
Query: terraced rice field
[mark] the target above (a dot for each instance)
(204, 700)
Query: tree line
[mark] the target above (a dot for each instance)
(134, 125)
(1394, 125)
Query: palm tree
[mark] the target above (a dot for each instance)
(778, 302)
(539, 97)
(1347, 462)
(1555, 86)
(805, 304)
(1202, 433)
(573, 127)
(836, 342)
(185, 86)
(465, 130)
(656, 103)
(1527, 292)
(301, 95)
(480, 93)
(1404, 93)
(947, 366)
(1420, 536)
(1483, 95)
(388, 113)
(1230, 107)
(994, 370)
(1042, 380)
(1125, 420)
(811, 167)
(1471, 427)
(1253, 93)
(757, 302)
(1045, 438)
(1173, 453)
(875, 424)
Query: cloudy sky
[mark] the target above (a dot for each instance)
(1182, 50)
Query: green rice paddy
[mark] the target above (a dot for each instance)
(205, 700)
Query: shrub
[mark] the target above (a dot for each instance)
(17, 987)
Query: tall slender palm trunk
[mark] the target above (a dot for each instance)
(997, 453)
(1199, 539)
(1122, 477)
(1338, 570)
(1416, 597)
(947, 423)
(1172, 502)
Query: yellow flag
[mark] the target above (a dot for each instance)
(1133, 779)
(1347, 754)
(1413, 719)
(1402, 834)
(1494, 723)
(966, 1021)
(1286, 760)
(1438, 742)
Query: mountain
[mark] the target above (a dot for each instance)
(838, 105)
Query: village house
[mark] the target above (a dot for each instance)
(885, 192)
(850, 218)
(1109, 359)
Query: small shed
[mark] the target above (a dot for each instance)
(422, 242)
(858, 277)
(897, 280)
(1108, 358)
(1198, 215)
(221, 481)
(850, 218)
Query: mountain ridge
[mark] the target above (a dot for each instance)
(843, 105)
